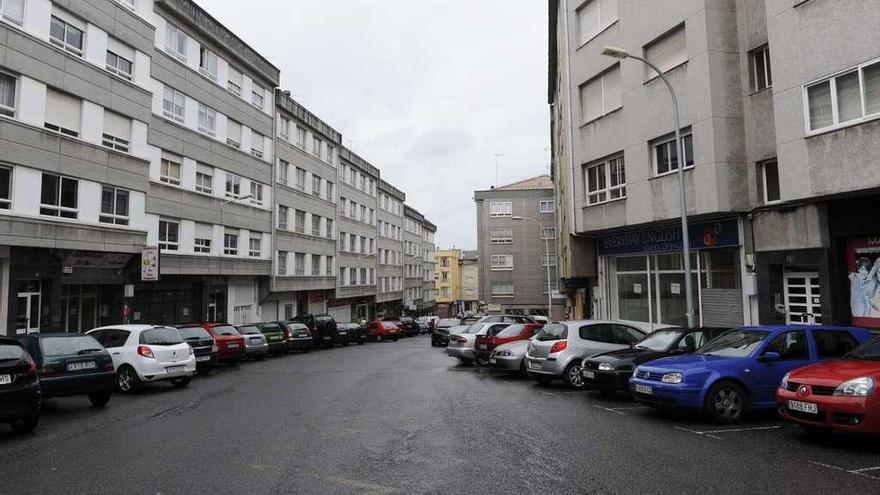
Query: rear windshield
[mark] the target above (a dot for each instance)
(161, 336)
(511, 331)
(553, 331)
(475, 328)
(65, 346)
(270, 327)
(448, 322)
(248, 330)
(298, 326)
(869, 350)
(736, 343)
(193, 333)
(323, 318)
(225, 330)
(10, 352)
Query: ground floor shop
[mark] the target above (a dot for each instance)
(355, 309)
(288, 305)
(176, 299)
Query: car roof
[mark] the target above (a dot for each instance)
(40, 335)
(129, 327)
(9, 341)
(784, 328)
(595, 322)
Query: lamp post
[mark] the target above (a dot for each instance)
(547, 255)
(620, 53)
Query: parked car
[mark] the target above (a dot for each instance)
(506, 319)
(349, 333)
(485, 344)
(230, 343)
(440, 335)
(409, 326)
(299, 336)
(510, 357)
(147, 353)
(274, 337)
(558, 349)
(734, 373)
(426, 322)
(70, 364)
(323, 328)
(461, 345)
(20, 397)
(610, 371)
(203, 346)
(255, 345)
(383, 330)
(835, 395)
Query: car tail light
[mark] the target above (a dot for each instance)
(559, 346)
(145, 351)
(108, 365)
(32, 365)
(459, 340)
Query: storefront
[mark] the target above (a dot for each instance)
(642, 277)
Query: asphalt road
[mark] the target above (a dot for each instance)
(404, 418)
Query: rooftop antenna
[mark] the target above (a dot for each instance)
(497, 157)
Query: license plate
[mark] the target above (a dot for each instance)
(174, 370)
(804, 407)
(589, 374)
(202, 359)
(534, 366)
(492, 361)
(86, 365)
(644, 389)
(483, 346)
(232, 345)
(328, 337)
(5, 379)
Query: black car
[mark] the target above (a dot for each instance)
(354, 333)
(610, 371)
(72, 364)
(323, 328)
(203, 347)
(20, 397)
(440, 334)
(299, 337)
(409, 326)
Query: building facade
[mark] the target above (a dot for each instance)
(515, 225)
(389, 295)
(779, 137)
(429, 303)
(470, 281)
(447, 281)
(413, 264)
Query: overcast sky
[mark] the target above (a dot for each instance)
(428, 91)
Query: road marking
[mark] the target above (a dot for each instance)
(856, 472)
(633, 408)
(756, 428)
(873, 468)
(698, 433)
(609, 409)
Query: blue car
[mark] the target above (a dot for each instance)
(739, 370)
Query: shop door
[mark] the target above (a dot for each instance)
(803, 301)
(27, 318)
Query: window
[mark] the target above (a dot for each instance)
(204, 179)
(548, 259)
(593, 17)
(500, 209)
(257, 144)
(117, 132)
(330, 226)
(59, 196)
(317, 144)
(331, 150)
(63, 113)
(282, 262)
(256, 193)
(601, 95)
(230, 242)
(847, 98)
(790, 346)
(299, 218)
(207, 120)
(7, 94)
(330, 191)
(175, 42)
(300, 179)
(208, 63)
(546, 206)
(254, 245)
(173, 104)
(299, 264)
(5, 188)
(257, 95)
(363, 279)
(12, 11)
(284, 128)
(502, 262)
(352, 246)
(833, 344)
(233, 133)
(770, 181)
(548, 232)
(202, 241)
(169, 169)
(66, 31)
(283, 215)
(233, 81)
(119, 59)
(667, 52)
(300, 137)
(316, 265)
(759, 68)
(114, 205)
(329, 267)
(283, 168)
(168, 235)
(316, 185)
(666, 153)
(502, 289)
(606, 181)
(233, 186)
(129, 4)
(316, 225)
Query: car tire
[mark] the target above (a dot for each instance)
(181, 382)
(726, 403)
(25, 425)
(361, 342)
(394, 339)
(127, 380)
(522, 369)
(433, 343)
(100, 399)
(379, 337)
(205, 371)
(573, 377)
(346, 344)
(261, 357)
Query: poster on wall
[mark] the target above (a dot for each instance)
(149, 263)
(863, 267)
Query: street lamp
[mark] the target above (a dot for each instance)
(620, 53)
(547, 255)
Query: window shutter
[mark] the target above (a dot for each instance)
(63, 110)
(68, 18)
(120, 49)
(205, 169)
(257, 141)
(233, 130)
(171, 157)
(204, 231)
(116, 125)
(668, 51)
(588, 21)
(234, 76)
(611, 89)
(591, 100)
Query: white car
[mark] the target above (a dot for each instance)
(147, 353)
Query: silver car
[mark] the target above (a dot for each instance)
(255, 343)
(461, 345)
(510, 357)
(557, 350)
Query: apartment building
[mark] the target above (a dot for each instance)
(413, 262)
(389, 208)
(447, 282)
(429, 303)
(780, 159)
(469, 268)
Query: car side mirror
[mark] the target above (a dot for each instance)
(770, 356)
(677, 351)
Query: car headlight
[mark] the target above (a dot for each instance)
(606, 367)
(857, 387)
(673, 377)
(784, 383)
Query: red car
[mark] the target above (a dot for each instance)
(383, 330)
(835, 395)
(484, 344)
(230, 343)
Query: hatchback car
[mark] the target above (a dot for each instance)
(255, 345)
(203, 346)
(485, 344)
(299, 336)
(72, 364)
(426, 323)
(350, 333)
(147, 353)
(556, 352)
(20, 397)
(323, 328)
(274, 337)
(461, 345)
(835, 395)
(610, 371)
(409, 326)
(383, 330)
(230, 343)
(440, 335)
(510, 357)
(734, 373)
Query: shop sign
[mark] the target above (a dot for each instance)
(863, 267)
(493, 307)
(150, 263)
(724, 233)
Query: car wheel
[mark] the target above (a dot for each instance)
(522, 369)
(726, 402)
(127, 380)
(261, 357)
(100, 399)
(379, 337)
(433, 343)
(394, 339)
(25, 425)
(181, 382)
(205, 371)
(346, 343)
(361, 342)
(573, 377)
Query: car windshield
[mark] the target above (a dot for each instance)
(869, 350)
(270, 327)
(511, 331)
(194, 333)
(737, 343)
(225, 330)
(553, 331)
(249, 330)
(66, 346)
(659, 340)
(161, 336)
(10, 352)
